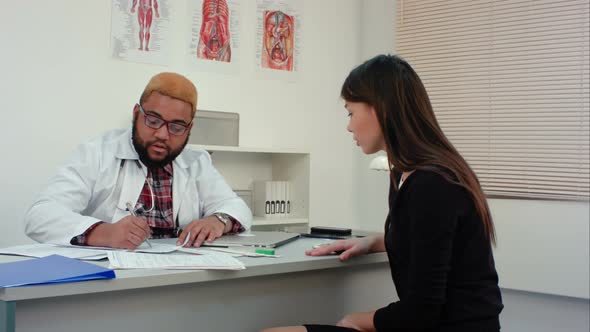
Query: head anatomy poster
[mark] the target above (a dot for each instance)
(278, 37)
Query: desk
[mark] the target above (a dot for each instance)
(290, 290)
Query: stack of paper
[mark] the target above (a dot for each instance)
(153, 248)
(46, 249)
(82, 252)
(135, 260)
(49, 270)
(156, 248)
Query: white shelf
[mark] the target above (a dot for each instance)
(244, 149)
(242, 167)
(261, 221)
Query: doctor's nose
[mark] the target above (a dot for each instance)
(162, 133)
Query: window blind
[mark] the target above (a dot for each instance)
(509, 83)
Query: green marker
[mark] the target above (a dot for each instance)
(264, 251)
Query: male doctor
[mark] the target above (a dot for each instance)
(143, 171)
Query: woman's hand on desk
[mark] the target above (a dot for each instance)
(349, 248)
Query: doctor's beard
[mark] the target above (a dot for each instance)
(141, 147)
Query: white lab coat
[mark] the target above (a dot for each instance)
(104, 174)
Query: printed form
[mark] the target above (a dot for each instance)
(136, 260)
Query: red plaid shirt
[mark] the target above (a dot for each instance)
(155, 202)
(157, 212)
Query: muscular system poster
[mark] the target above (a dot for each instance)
(140, 31)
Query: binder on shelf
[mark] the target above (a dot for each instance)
(271, 199)
(277, 197)
(273, 195)
(269, 203)
(261, 193)
(50, 270)
(283, 198)
(288, 199)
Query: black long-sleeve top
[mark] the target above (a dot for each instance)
(441, 260)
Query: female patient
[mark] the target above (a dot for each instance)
(439, 231)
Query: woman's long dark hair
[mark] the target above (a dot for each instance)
(413, 138)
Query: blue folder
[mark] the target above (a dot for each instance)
(50, 270)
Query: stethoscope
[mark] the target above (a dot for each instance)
(141, 209)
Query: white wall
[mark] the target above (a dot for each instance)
(60, 87)
(542, 246)
(372, 187)
(535, 312)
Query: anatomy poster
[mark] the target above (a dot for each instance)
(215, 35)
(140, 31)
(278, 37)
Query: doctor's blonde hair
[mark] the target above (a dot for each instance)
(172, 85)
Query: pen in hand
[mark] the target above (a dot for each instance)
(130, 209)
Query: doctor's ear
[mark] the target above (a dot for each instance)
(135, 114)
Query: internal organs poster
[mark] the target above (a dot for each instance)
(215, 34)
(278, 35)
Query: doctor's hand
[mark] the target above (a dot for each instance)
(127, 233)
(348, 248)
(201, 230)
(362, 321)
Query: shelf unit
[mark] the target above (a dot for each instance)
(241, 166)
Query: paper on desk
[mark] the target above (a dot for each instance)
(79, 252)
(210, 261)
(46, 249)
(157, 248)
(161, 248)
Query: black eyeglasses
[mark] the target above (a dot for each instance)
(155, 122)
